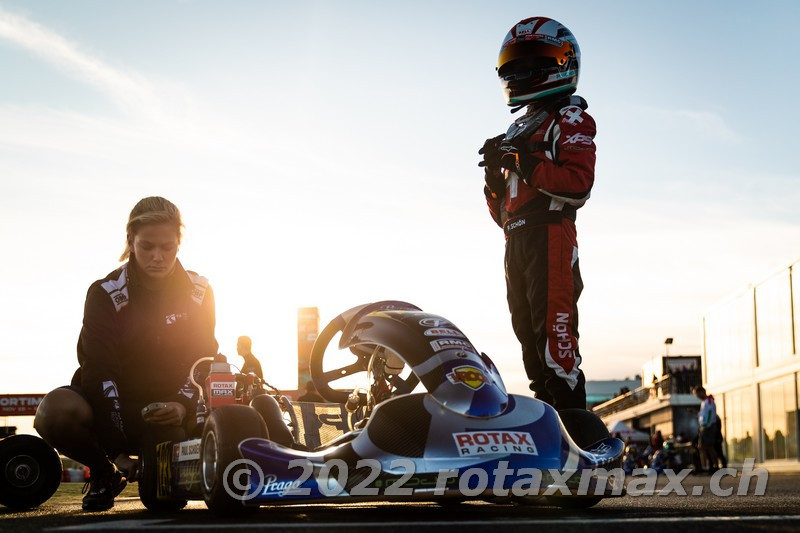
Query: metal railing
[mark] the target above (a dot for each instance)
(679, 383)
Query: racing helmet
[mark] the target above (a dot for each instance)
(539, 59)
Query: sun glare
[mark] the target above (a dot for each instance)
(273, 329)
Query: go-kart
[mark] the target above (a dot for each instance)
(463, 438)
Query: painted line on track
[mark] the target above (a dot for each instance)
(161, 524)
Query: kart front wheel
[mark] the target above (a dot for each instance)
(221, 461)
(30, 471)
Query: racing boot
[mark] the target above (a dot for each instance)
(540, 392)
(103, 487)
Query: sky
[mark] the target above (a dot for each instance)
(325, 154)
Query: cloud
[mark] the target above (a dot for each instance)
(678, 127)
(160, 116)
(161, 120)
(131, 92)
(706, 124)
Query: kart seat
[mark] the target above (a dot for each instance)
(270, 411)
(314, 425)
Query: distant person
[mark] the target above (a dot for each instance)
(144, 326)
(679, 378)
(244, 347)
(706, 420)
(696, 456)
(536, 177)
(311, 394)
(718, 440)
(657, 442)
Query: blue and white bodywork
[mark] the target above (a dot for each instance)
(463, 437)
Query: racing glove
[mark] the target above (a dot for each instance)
(518, 159)
(492, 162)
(495, 183)
(491, 152)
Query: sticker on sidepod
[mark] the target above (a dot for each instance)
(272, 486)
(430, 322)
(469, 376)
(472, 443)
(451, 344)
(186, 451)
(443, 332)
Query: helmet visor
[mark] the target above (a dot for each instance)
(537, 50)
(522, 83)
(523, 73)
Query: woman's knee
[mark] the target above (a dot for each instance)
(62, 410)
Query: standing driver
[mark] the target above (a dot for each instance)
(537, 176)
(144, 325)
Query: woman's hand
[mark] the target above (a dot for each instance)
(171, 415)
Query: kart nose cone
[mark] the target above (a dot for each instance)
(469, 387)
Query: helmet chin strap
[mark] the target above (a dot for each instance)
(531, 107)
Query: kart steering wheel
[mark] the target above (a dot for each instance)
(363, 353)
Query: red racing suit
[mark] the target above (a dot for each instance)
(537, 213)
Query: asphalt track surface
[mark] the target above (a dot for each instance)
(777, 510)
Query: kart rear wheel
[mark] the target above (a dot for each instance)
(585, 428)
(30, 471)
(148, 483)
(224, 430)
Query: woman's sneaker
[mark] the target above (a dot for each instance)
(102, 489)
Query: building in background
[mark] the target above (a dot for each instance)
(662, 401)
(752, 368)
(598, 392)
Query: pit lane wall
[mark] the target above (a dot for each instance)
(751, 366)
